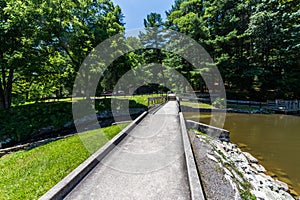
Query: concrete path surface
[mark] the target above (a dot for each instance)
(148, 164)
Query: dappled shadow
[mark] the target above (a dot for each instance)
(32, 122)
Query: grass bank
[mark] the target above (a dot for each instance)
(195, 104)
(23, 122)
(29, 174)
(228, 106)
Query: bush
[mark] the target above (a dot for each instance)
(19, 122)
(219, 103)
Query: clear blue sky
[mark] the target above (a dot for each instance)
(135, 11)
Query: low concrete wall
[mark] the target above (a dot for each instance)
(61, 189)
(222, 134)
(190, 109)
(193, 176)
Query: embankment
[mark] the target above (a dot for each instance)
(229, 173)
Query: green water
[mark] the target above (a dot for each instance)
(274, 139)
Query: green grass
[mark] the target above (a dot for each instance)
(243, 107)
(198, 132)
(29, 174)
(196, 104)
(140, 99)
(19, 122)
(206, 105)
(15, 104)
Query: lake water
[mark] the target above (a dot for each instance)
(273, 139)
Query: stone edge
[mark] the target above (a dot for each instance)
(62, 188)
(193, 176)
(221, 134)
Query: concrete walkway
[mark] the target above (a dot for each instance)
(148, 164)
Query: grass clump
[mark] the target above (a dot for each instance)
(29, 174)
(246, 194)
(206, 137)
(199, 132)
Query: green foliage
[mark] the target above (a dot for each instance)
(195, 104)
(142, 99)
(153, 20)
(122, 103)
(19, 122)
(219, 103)
(44, 43)
(29, 174)
(246, 195)
(255, 44)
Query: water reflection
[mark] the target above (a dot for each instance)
(273, 139)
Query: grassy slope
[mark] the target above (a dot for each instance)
(205, 105)
(196, 104)
(29, 174)
(139, 99)
(18, 123)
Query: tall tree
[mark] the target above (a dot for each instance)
(255, 44)
(187, 17)
(44, 43)
(274, 31)
(19, 50)
(152, 39)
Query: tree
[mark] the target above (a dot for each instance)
(255, 44)
(275, 34)
(18, 51)
(152, 39)
(79, 28)
(187, 18)
(44, 44)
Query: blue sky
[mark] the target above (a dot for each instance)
(135, 11)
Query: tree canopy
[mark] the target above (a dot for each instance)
(44, 43)
(254, 43)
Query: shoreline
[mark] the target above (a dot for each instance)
(274, 171)
(280, 165)
(225, 110)
(241, 174)
(250, 110)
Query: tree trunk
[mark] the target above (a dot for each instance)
(6, 88)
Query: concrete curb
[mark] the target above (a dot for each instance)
(155, 109)
(193, 176)
(61, 189)
(221, 134)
